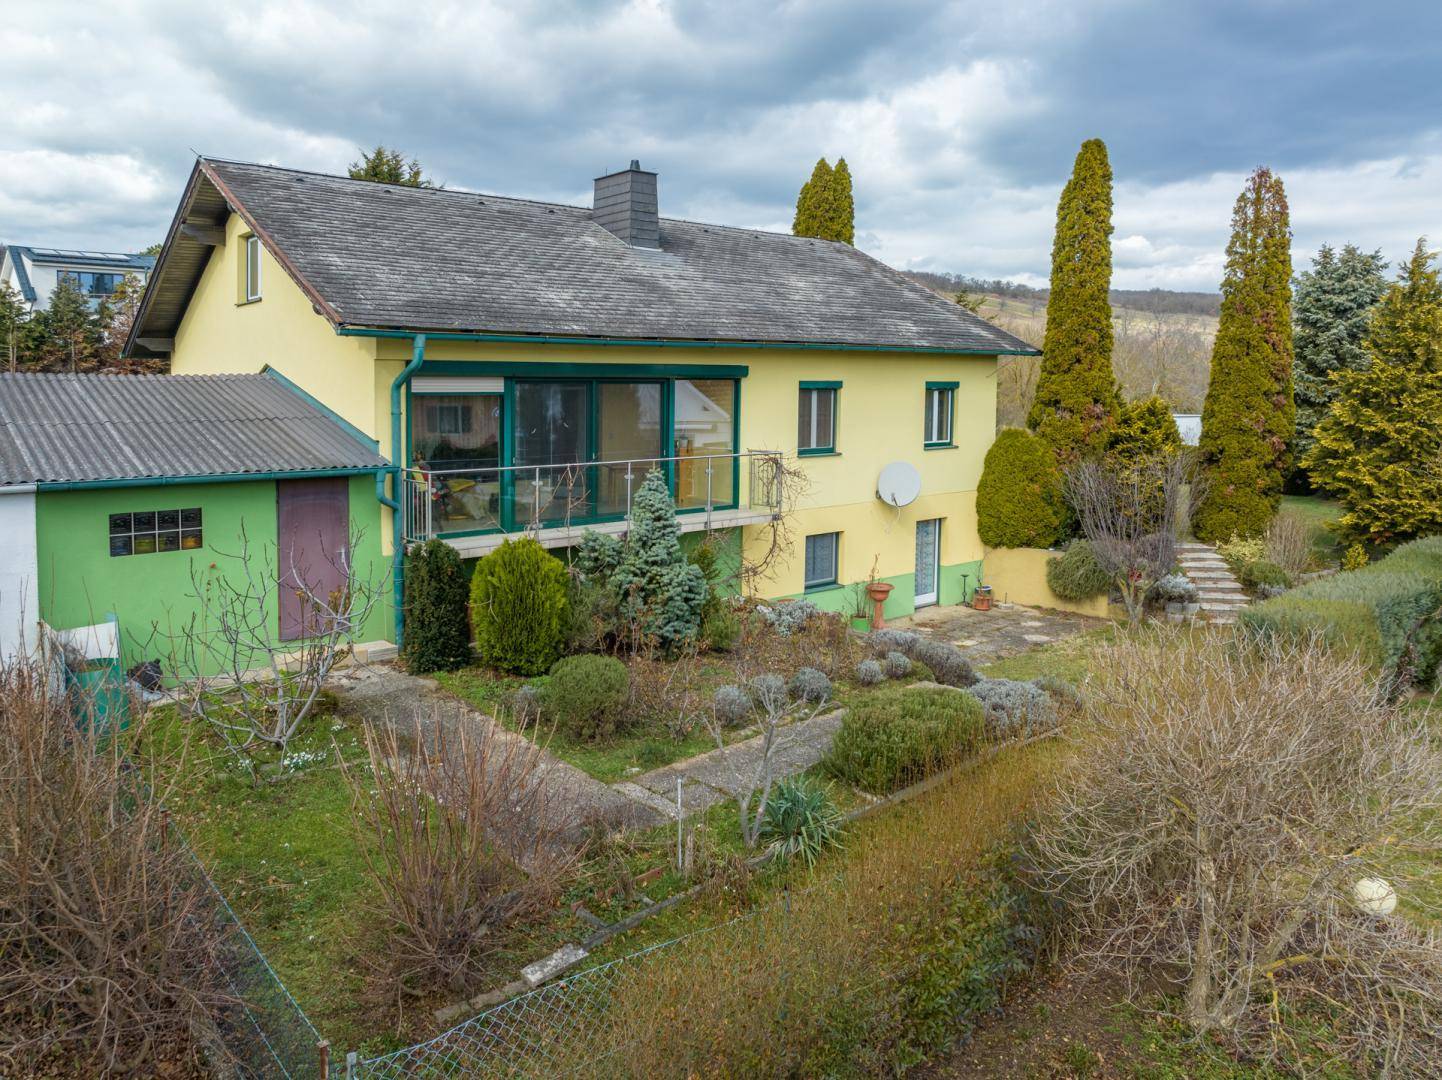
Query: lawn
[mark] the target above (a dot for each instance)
(1321, 514)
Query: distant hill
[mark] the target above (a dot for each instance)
(1163, 339)
(1165, 301)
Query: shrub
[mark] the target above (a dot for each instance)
(1019, 499)
(438, 629)
(721, 629)
(1063, 694)
(870, 673)
(1355, 557)
(1241, 550)
(789, 617)
(518, 607)
(1387, 611)
(810, 686)
(586, 696)
(1197, 827)
(1259, 575)
(945, 662)
(801, 819)
(1173, 589)
(659, 590)
(897, 736)
(898, 665)
(1290, 540)
(110, 942)
(526, 703)
(1014, 709)
(887, 640)
(1077, 574)
(592, 618)
(768, 693)
(732, 705)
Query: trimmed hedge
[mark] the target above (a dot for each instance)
(1077, 574)
(519, 610)
(895, 737)
(438, 629)
(1019, 501)
(1388, 611)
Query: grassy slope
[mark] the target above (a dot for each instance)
(1319, 513)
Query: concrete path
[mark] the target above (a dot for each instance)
(575, 802)
(719, 774)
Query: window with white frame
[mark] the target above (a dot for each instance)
(250, 274)
(940, 405)
(816, 419)
(821, 560)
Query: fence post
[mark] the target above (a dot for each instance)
(350, 1066)
(324, 1048)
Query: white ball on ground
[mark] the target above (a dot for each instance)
(1374, 896)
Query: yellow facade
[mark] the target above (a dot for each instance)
(880, 408)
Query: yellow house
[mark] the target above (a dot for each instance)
(523, 365)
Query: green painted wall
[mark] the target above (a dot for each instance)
(902, 601)
(153, 594)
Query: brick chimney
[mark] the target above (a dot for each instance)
(625, 204)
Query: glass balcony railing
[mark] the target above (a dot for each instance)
(520, 498)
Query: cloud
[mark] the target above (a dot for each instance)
(959, 119)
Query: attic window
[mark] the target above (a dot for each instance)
(250, 269)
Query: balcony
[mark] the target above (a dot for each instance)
(474, 510)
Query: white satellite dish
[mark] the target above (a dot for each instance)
(899, 484)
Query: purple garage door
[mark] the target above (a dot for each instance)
(313, 519)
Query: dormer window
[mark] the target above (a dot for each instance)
(250, 269)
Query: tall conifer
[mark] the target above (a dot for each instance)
(841, 223)
(1077, 402)
(811, 203)
(1249, 418)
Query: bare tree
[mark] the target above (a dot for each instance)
(460, 841)
(1235, 815)
(1132, 516)
(781, 485)
(239, 673)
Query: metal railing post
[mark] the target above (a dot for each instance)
(629, 477)
(536, 499)
(710, 461)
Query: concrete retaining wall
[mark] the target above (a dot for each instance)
(1018, 576)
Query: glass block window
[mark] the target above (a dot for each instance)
(147, 532)
(821, 560)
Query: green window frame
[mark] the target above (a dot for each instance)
(939, 418)
(822, 559)
(816, 417)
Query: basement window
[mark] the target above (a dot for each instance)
(820, 560)
(147, 532)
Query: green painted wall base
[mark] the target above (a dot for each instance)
(902, 601)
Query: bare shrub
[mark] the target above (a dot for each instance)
(1226, 798)
(1131, 517)
(109, 949)
(1289, 542)
(460, 842)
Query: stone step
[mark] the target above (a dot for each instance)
(1208, 571)
(1195, 547)
(1210, 564)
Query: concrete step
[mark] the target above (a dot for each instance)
(1195, 547)
(1204, 564)
(1209, 572)
(1218, 585)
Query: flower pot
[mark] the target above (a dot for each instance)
(878, 591)
(861, 623)
(981, 599)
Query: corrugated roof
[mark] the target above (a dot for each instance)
(74, 428)
(381, 255)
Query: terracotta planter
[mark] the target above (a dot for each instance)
(877, 592)
(981, 599)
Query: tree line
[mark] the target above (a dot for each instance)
(70, 335)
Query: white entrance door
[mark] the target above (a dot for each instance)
(928, 548)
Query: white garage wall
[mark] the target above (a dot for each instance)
(19, 594)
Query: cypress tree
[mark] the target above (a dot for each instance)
(841, 224)
(1077, 401)
(1248, 419)
(1330, 312)
(1379, 445)
(812, 204)
(438, 629)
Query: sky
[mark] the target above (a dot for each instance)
(959, 120)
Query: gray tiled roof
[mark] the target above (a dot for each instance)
(69, 428)
(379, 255)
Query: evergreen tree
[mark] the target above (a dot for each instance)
(1248, 419)
(70, 337)
(14, 327)
(1077, 401)
(116, 316)
(841, 217)
(1330, 312)
(1379, 448)
(812, 204)
(438, 629)
(385, 166)
(660, 591)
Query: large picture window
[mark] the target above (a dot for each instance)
(821, 560)
(456, 440)
(940, 408)
(816, 426)
(705, 427)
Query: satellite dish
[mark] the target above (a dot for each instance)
(899, 484)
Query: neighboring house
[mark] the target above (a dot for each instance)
(34, 272)
(1189, 427)
(118, 492)
(525, 363)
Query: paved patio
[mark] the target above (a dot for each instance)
(1005, 630)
